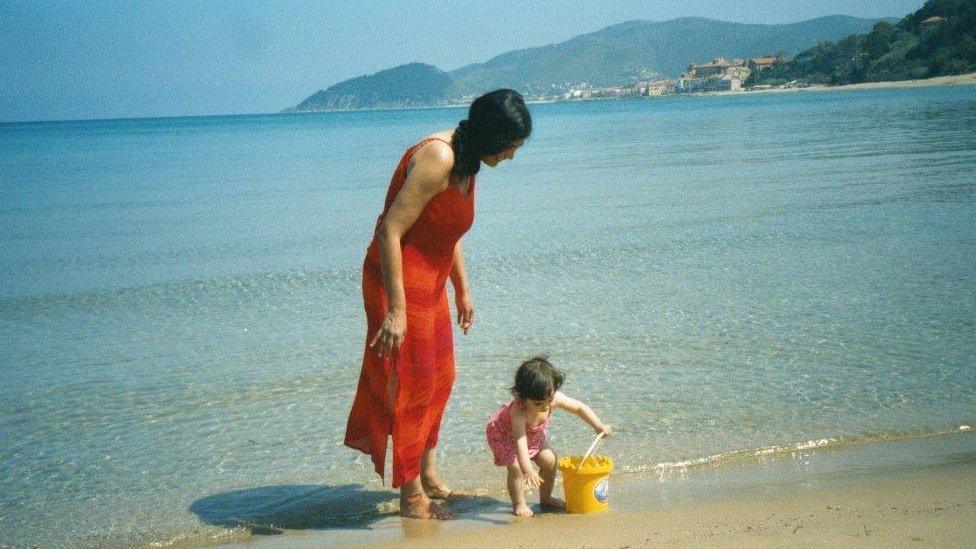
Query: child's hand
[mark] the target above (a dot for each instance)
(532, 479)
(605, 429)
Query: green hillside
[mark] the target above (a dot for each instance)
(616, 55)
(411, 85)
(937, 40)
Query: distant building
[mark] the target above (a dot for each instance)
(761, 63)
(655, 87)
(661, 87)
(719, 74)
(934, 20)
(715, 67)
(710, 84)
(586, 92)
(739, 72)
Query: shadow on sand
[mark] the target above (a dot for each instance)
(271, 510)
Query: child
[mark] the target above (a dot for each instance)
(517, 432)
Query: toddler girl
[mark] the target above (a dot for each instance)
(517, 432)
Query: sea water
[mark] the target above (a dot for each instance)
(181, 325)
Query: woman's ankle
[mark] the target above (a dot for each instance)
(413, 488)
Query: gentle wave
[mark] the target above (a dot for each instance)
(756, 455)
(247, 286)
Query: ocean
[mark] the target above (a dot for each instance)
(722, 278)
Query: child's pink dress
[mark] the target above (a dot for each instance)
(502, 441)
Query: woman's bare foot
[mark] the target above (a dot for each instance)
(521, 510)
(435, 489)
(552, 504)
(419, 506)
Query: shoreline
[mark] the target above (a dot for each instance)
(934, 508)
(894, 492)
(954, 80)
(951, 80)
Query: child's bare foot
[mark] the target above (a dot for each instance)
(421, 507)
(552, 504)
(521, 510)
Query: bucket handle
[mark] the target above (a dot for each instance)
(596, 441)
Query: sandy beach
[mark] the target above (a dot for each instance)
(954, 80)
(912, 492)
(930, 508)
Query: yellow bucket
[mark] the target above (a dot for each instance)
(588, 488)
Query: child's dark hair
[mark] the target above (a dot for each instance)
(537, 379)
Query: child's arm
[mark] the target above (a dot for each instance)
(522, 448)
(583, 411)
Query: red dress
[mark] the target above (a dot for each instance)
(406, 396)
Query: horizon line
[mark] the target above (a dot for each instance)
(283, 111)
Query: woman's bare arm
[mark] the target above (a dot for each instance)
(462, 292)
(428, 176)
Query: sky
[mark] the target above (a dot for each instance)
(71, 59)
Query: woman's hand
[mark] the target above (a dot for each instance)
(465, 311)
(605, 429)
(391, 334)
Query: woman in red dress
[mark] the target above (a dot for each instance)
(408, 360)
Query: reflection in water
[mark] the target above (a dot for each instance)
(420, 529)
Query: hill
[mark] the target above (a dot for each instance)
(411, 85)
(937, 40)
(619, 54)
(623, 53)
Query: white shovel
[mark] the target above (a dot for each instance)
(593, 446)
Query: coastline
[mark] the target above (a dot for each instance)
(968, 79)
(932, 508)
(954, 80)
(891, 493)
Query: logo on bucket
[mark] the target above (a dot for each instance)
(602, 490)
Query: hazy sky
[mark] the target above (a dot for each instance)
(106, 59)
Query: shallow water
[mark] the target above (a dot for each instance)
(180, 319)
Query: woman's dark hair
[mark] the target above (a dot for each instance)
(537, 379)
(495, 121)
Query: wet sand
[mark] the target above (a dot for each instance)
(925, 508)
(915, 492)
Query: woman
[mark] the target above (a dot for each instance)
(408, 362)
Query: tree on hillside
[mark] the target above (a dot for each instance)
(938, 39)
